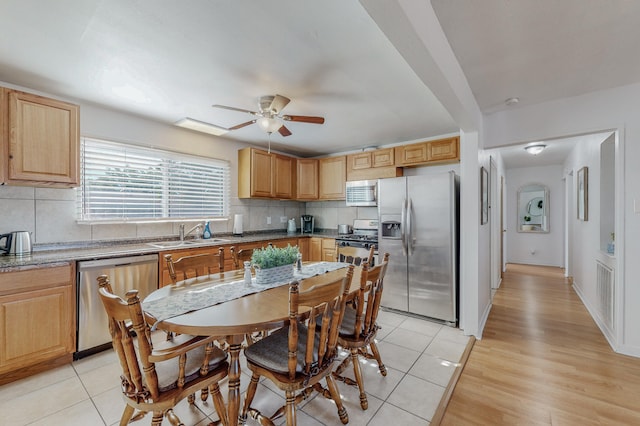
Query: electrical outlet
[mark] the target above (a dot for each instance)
(283, 219)
(268, 220)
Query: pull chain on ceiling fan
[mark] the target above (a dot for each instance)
(270, 117)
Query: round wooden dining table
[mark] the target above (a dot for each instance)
(232, 320)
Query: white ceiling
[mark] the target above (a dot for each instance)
(539, 50)
(555, 153)
(167, 60)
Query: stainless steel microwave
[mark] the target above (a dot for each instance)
(362, 193)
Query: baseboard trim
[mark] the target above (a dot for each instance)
(444, 401)
(23, 372)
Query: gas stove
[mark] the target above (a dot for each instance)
(365, 234)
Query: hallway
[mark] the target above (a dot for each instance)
(542, 360)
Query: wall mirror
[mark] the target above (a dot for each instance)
(533, 208)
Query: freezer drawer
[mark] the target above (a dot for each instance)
(125, 273)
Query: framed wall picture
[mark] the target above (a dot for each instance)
(484, 196)
(583, 194)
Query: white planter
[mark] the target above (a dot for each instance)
(282, 274)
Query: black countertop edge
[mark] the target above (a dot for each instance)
(92, 250)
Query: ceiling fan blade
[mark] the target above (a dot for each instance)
(240, 126)
(278, 103)
(303, 119)
(284, 131)
(235, 109)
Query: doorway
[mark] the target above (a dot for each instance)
(495, 209)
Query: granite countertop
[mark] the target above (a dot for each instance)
(92, 250)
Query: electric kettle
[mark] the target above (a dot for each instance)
(16, 243)
(291, 226)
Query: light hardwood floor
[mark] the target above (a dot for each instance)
(542, 360)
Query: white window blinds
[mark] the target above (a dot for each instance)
(122, 182)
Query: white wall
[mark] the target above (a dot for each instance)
(50, 214)
(413, 28)
(613, 109)
(536, 248)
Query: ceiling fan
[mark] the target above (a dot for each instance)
(270, 117)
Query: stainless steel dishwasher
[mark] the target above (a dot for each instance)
(125, 273)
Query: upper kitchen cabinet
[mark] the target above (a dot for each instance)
(264, 175)
(283, 176)
(306, 179)
(332, 178)
(376, 164)
(40, 140)
(425, 153)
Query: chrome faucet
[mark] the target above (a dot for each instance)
(197, 227)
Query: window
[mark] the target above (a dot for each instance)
(122, 182)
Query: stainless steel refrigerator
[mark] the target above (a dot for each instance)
(418, 227)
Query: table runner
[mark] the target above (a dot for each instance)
(189, 300)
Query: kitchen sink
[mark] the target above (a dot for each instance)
(171, 244)
(187, 243)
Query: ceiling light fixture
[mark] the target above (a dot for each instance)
(269, 124)
(511, 101)
(535, 149)
(201, 126)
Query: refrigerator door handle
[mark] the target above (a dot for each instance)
(409, 228)
(403, 227)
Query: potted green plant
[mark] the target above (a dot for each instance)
(273, 264)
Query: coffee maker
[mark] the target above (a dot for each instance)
(306, 224)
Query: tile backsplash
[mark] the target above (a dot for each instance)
(50, 215)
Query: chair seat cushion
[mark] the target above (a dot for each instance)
(348, 324)
(168, 370)
(347, 327)
(271, 352)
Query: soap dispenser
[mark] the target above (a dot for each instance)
(207, 231)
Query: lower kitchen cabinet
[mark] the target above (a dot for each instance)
(285, 242)
(322, 249)
(37, 319)
(315, 249)
(228, 263)
(303, 246)
(328, 250)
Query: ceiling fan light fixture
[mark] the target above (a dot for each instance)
(201, 126)
(535, 148)
(269, 124)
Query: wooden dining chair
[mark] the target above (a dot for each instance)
(196, 265)
(298, 356)
(158, 375)
(355, 255)
(358, 329)
(240, 256)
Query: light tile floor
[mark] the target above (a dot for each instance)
(420, 357)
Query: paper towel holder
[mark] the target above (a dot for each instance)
(237, 225)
